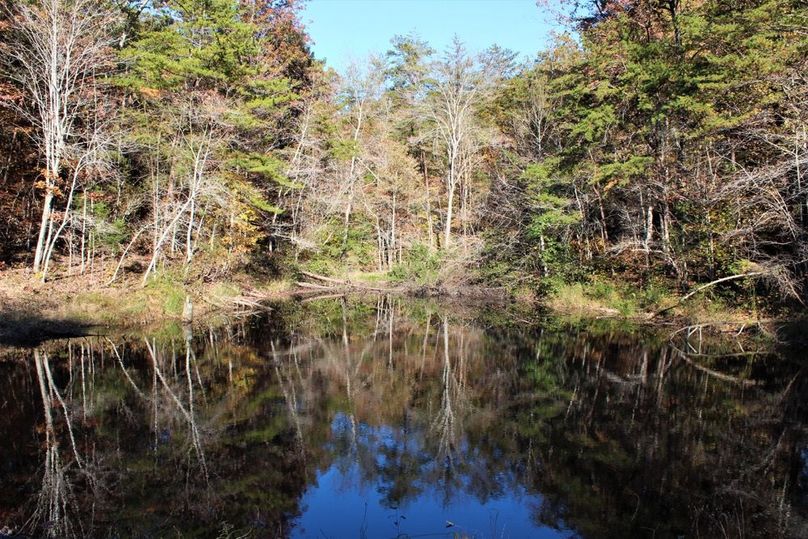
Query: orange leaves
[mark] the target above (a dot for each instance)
(43, 185)
(9, 94)
(152, 93)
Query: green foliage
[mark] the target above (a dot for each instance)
(661, 144)
(343, 149)
(420, 265)
(340, 250)
(634, 167)
(551, 210)
(641, 121)
(265, 165)
(110, 231)
(190, 43)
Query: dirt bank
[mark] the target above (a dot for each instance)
(69, 305)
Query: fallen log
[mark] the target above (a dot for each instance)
(324, 278)
(304, 284)
(333, 284)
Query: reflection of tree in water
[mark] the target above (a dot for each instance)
(168, 429)
(616, 433)
(56, 509)
(649, 444)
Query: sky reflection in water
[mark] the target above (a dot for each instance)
(343, 504)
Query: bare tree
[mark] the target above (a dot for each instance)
(199, 131)
(58, 49)
(359, 89)
(459, 86)
(89, 160)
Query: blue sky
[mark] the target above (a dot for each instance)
(351, 29)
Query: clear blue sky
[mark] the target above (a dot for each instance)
(351, 29)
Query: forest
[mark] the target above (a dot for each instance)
(657, 149)
(437, 291)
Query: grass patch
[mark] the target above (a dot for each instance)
(170, 291)
(224, 290)
(711, 308)
(600, 296)
(106, 307)
(161, 297)
(370, 277)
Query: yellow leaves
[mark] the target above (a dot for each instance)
(246, 215)
(244, 232)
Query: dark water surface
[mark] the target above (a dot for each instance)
(380, 418)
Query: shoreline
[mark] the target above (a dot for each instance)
(71, 306)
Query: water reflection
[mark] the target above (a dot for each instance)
(391, 418)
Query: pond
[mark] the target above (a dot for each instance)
(387, 417)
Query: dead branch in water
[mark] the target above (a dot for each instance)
(715, 374)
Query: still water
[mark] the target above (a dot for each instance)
(391, 418)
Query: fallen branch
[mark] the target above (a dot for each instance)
(705, 286)
(333, 284)
(324, 278)
(315, 286)
(321, 297)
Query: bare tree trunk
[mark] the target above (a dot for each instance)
(43, 229)
(430, 233)
(84, 232)
(351, 178)
(451, 184)
(392, 251)
(447, 234)
(379, 245)
(171, 226)
(189, 254)
(200, 160)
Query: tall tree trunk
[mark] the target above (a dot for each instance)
(43, 230)
(447, 236)
(430, 232)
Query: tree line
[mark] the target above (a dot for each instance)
(654, 140)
